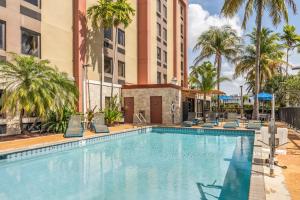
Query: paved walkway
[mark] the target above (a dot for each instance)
(292, 161)
(22, 141)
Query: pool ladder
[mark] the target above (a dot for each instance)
(142, 122)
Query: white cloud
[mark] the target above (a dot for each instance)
(201, 20)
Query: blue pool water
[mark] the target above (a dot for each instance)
(152, 166)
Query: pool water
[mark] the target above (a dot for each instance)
(151, 166)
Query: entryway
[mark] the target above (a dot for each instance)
(156, 109)
(128, 109)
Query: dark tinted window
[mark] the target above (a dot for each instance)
(30, 42)
(108, 33)
(34, 2)
(2, 35)
(121, 37)
(121, 69)
(108, 63)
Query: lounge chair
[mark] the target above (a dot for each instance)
(75, 128)
(98, 124)
(254, 125)
(187, 124)
(208, 125)
(233, 124)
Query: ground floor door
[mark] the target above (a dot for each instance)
(128, 109)
(156, 110)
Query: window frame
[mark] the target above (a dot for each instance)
(39, 2)
(111, 64)
(158, 29)
(111, 33)
(3, 23)
(39, 41)
(159, 53)
(123, 33)
(158, 6)
(123, 69)
(158, 76)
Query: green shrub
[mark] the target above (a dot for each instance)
(112, 113)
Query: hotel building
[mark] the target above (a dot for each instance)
(151, 51)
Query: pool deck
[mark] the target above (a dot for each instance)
(285, 185)
(10, 143)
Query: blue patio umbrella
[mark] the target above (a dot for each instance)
(225, 98)
(265, 96)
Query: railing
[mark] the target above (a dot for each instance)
(141, 122)
(291, 116)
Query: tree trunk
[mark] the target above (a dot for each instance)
(21, 120)
(218, 78)
(287, 62)
(101, 72)
(114, 64)
(204, 103)
(257, 59)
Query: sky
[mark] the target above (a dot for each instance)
(206, 13)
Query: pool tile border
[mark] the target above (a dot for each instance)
(47, 148)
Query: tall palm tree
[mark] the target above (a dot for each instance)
(112, 14)
(291, 40)
(101, 15)
(277, 9)
(271, 59)
(219, 42)
(32, 86)
(205, 79)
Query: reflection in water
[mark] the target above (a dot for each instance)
(151, 166)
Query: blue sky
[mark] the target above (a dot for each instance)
(204, 13)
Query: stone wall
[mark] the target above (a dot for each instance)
(142, 102)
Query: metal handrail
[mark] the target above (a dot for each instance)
(141, 120)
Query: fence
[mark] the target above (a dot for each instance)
(291, 116)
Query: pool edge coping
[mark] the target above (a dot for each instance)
(257, 189)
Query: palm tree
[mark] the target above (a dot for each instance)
(291, 40)
(204, 78)
(219, 42)
(101, 16)
(32, 86)
(111, 14)
(271, 59)
(277, 9)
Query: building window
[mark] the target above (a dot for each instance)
(181, 45)
(181, 29)
(165, 79)
(158, 6)
(121, 69)
(181, 65)
(34, 2)
(158, 78)
(121, 37)
(165, 35)
(108, 65)
(159, 29)
(181, 10)
(2, 35)
(165, 11)
(108, 33)
(165, 57)
(107, 102)
(158, 53)
(30, 42)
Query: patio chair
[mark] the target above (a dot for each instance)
(193, 122)
(187, 124)
(98, 124)
(212, 118)
(75, 128)
(254, 125)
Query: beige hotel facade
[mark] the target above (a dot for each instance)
(151, 52)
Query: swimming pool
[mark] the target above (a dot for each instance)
(161, 164)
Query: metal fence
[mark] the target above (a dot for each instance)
(291, 116)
